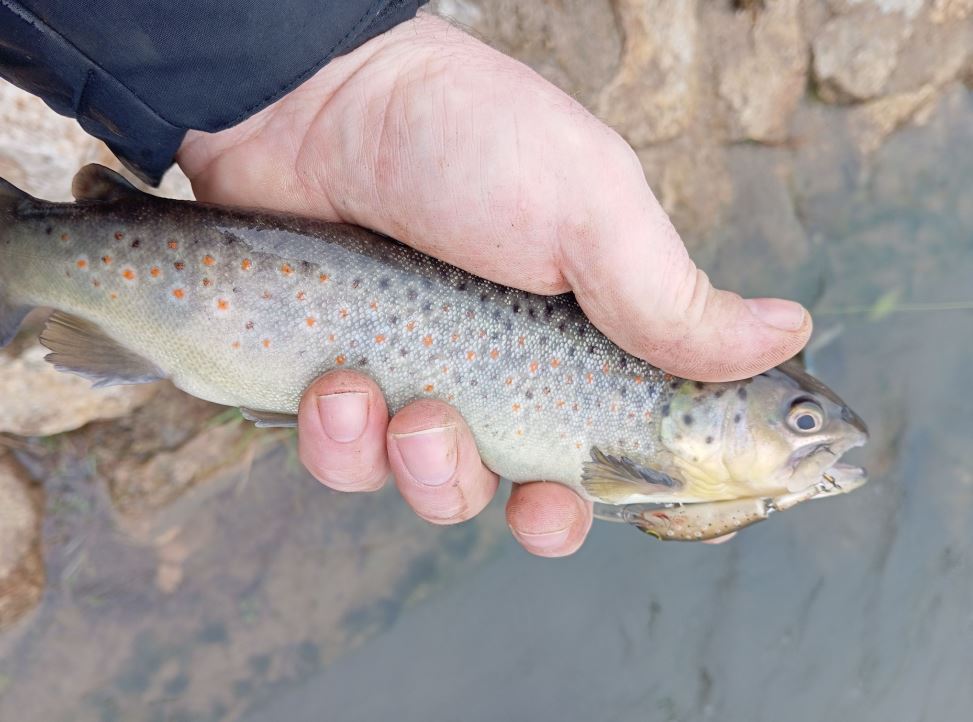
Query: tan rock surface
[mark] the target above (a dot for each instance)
(21, 566)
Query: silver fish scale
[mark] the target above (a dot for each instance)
(247, 309)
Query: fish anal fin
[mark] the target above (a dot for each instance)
(620, 480)
(97, 183)
(81, 347)
(11, 316)
(269, 419)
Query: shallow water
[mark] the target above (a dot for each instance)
(295, 603)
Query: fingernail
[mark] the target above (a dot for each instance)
(343, 415)
(546, 541)
(429, 455)
(776, 312)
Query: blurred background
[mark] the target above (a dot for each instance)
(162, 560)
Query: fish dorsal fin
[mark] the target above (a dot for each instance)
(269, 419)
(81, 347)
(619, 480)
(11, 195)
(97, 183)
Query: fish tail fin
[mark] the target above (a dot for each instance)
(11, 314)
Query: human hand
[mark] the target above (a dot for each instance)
(435, 139)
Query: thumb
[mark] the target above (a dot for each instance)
(637, 283)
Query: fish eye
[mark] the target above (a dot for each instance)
(805, 416)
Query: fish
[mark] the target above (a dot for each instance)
(246, 307)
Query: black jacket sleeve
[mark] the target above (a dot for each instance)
(138, 73)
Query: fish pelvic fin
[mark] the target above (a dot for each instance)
(269, 419)
(97, 183)
(620, 480)
(80, 347)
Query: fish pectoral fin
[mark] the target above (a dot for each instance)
(81, 347)
(97, 183)
(269, 419)
(617, 479)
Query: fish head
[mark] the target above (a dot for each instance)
(782, 431)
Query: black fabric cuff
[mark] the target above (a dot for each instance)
(139, 73)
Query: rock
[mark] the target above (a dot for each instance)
(21, 565)
(761, 64)
(874, 121)
(576, 45)
(944, 11)
(41, 401)
(853, 65)
(652, 97)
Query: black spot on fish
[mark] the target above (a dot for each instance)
(515, 308)
(363, 361)
(472, 382)
(709, 439)
(699, 385)
(403, 352)
(426, 307)
(136, 243)
(548, 308)
(471, 314)
(737, 418)
(528, 394)
(508, 325)
(356, 283)
(384, 283)
(687, 419)
(394, 320)
(623, 391)
(675, 384)
(461, 286)
(665, 410)
(49, 230)
(623, 361)
(546, 390)
(249, 325)
(484, 297)
(591, 348)
(562, 327)
(411, 294)
(718, 393)
(742, 392)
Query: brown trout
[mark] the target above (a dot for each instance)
(246, 308)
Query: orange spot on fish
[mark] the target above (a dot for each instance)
(509, 381)
(266, 295)
(639, 379)
(331, 337)
(589, 377)
(265, 343)
(300, 295)
(65, 237)
(380, 339)
(555, 363)
(410, 326)
(519, 432)
(373, 305)
(113, 296)
(605, 368)
(208, 260)
(667, 377)
(310, 321)
(521, 341)
(207, 282)
(533, 367)
(614, 408)
(246, 264)
(128, 274)
(560, 403)
(494, 353)
(343, 313)
(445, 369)
(577, 444)
(173, 245)
(235, 344)
(286, 269)
(323, 278)
(340, 360)
(429, 388)
(178, 293)
(106, 260)
(155, 271)
(427, 341)
(119, 235)
(81, 263)
(179, 265)
(470, 355)
(222, 304)
(516, 407)
(455, 337)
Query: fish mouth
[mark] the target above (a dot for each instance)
(842, 478)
